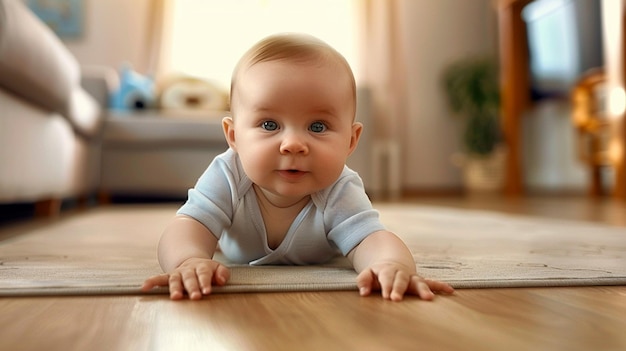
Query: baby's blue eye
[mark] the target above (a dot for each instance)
(317, 127)
(269, 125)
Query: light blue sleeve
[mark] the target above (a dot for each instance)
(348, 214)
(213, 199)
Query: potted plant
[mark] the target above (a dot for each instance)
(473, 91)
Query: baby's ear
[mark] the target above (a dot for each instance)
(229, 131)
(357, 128)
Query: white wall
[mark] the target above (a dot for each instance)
(549, 147)
(439, 32)
(115, 33)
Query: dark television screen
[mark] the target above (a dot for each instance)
(564, 40)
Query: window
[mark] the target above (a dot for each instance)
(209, 36)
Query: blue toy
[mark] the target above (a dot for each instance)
(135, 92)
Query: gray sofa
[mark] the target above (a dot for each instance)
(157, 154)
(50, 125)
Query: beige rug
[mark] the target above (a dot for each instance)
(111, 250)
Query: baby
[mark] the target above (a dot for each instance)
(281, 193)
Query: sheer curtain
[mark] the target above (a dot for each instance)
(206, 38)
(384, 71)
(383, 64)
(159, 37)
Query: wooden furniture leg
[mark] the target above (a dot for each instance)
(104, 197)
(618, 137)
(590, 118)
(596, 186)
(48, 208)
(614, 16)
(514, 87)
(619, 143)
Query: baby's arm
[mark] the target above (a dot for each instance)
(384, 262)
(186, 253)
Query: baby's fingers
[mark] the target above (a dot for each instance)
(437, 286)
(191, 283)
(425, 289)
(208, 275)
(401, 282)
(392, 284)
(155, 281)
(175, 282)
(221, 276)
(365, 282)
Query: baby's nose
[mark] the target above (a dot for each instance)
(294, 144)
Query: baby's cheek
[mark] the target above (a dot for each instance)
(254, 167)
(329, 171)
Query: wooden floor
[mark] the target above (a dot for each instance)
(592, 318)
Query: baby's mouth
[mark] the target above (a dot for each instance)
(292, 173)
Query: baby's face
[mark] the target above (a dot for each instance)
(293, 126)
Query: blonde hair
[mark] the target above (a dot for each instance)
(290, 47)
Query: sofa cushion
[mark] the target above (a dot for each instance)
(34, 63)
(151, 129)
(99, 82)
(38, 152)
(84, 113)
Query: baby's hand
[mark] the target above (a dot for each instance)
(195, 275)
(395, 280)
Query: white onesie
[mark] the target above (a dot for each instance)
(335, 221)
